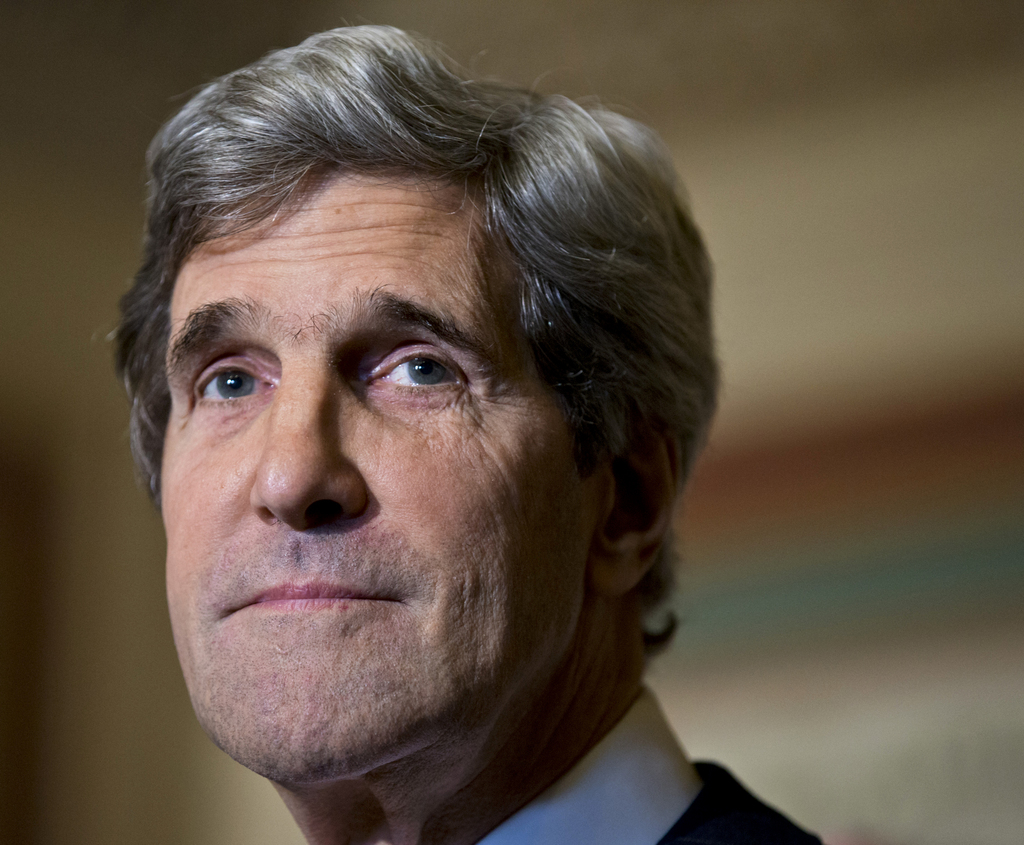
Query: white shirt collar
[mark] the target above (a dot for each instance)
(629, 789)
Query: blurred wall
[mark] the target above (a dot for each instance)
(852, 637)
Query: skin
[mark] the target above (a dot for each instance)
(391, 591)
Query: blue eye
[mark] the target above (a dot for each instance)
(420, 371)
(231, 384)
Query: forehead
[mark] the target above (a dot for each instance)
(355, 237)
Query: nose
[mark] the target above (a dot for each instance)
(304, 478)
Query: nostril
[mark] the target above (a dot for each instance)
(322, 512)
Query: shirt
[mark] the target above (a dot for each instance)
(629, 789)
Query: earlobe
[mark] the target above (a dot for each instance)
(638, 513)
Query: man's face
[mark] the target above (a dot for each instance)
(377, 537)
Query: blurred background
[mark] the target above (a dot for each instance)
(852, 595)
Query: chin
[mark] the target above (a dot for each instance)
(300, 767)
(297, 751)
(300, 729)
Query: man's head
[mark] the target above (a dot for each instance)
(420, 349)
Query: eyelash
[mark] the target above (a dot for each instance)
(449, 372)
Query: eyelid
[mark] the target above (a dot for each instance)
(229, 364)
(411, 353)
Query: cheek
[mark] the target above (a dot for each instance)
(449, 486)
(498, 509)
(179, 511)
(201, 497)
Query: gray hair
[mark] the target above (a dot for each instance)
(614, 279)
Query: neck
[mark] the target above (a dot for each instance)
(457, 795)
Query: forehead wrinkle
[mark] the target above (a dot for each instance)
(293, 226)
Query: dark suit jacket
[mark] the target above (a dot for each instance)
(724, 813)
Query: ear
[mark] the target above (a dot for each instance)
(638, 513)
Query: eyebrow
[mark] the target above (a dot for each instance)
(209, 324)
(397, 310)
(213, 322)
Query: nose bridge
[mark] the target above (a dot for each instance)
(304, 478)
(297, 428)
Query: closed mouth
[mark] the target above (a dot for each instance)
(307, 596)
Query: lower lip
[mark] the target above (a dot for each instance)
(306, 605)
